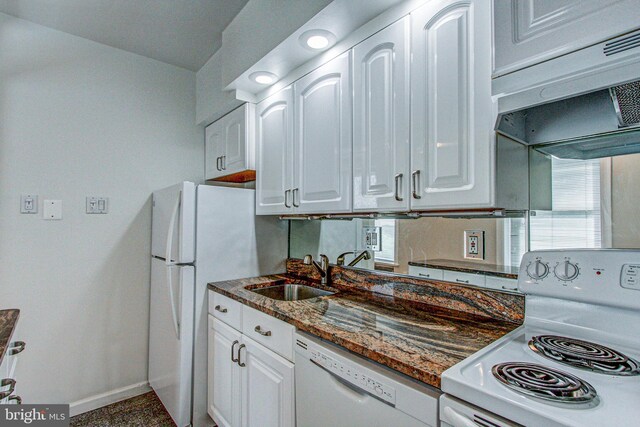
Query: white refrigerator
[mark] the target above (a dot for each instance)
(200, 234)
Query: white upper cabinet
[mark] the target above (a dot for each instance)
(322, 139)
(268, 398)
(528, 32)
(274, 155)
(381, 120)
(229, 147)
(452, 114)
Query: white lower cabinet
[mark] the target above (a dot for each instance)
(267, 387)
(249, 384)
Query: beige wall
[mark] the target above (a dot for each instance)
(625, 197)
(442, 238)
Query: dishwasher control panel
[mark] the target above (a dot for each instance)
(351, 374)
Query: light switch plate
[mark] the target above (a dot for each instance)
(52, 209)
(29, 204)
(474, 244)
(372, 238)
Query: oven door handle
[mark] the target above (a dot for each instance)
(457, 419)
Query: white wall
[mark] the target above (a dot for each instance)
(78, 118)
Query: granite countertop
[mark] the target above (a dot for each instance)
(470, 267)
(8, 320)
(414, 338)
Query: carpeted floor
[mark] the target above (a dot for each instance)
(141, 411)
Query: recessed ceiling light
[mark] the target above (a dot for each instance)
(263, 77)
(317, 39)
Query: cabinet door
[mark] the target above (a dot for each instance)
(214, 150)
(267, 387)
(322, 142)
(381, 120)
(223, 397)
(274, 154)
(237, 131)
(528, 32)
(452, 114)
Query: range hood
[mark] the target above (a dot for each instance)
(599, 124)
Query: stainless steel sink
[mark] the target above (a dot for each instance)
(291, 292)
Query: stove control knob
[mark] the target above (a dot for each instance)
(566, 271)
(538, 270)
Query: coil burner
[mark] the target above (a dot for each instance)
(544, 383)
(584, 355)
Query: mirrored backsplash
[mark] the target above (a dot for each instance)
(574, 204)
(487, 244)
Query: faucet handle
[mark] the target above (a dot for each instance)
(324, 261)
(308, 259)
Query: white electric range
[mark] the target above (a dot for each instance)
(574, 361)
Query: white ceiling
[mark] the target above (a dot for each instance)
(180, 32)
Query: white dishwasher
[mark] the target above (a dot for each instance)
(336, 388)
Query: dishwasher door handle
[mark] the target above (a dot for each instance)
(351, 386)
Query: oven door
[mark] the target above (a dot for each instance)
(456, 413)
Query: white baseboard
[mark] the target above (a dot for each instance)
(99, 400)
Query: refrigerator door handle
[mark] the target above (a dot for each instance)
(172, 224)
(174, 313)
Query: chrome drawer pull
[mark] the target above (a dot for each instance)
(509, 289)
(398, 178)
(221, 309)
(424, 275)
(218, 159)
(18, 347)
(462, 281)
(259, 330)
(293, 199)
(286, 199)
(17, 399)
(12, 386)
(415, 184)
(241, 364)
(232, 347)
(223, 163)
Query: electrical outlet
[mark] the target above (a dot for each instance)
(97, 205)
(372, 237)
(474, 244)
(29, 204)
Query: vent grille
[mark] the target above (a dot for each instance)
(626, 100)
(622, 44)
(301, 344)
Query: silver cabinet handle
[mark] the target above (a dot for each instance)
(398, 178)
(17, 399)
(296, 191)
(232, 347)
(509, 289)
(241, 364)
(218, 163)
(221, 309)
(18, 347)
(286, 199)
(424, 275)
(12, 386)
(415, 182)
(259, 330)
(223, 163)
(462, 281)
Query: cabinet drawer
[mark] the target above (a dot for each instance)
(273, 333)
(226, 309)
(426, 273)
(464, 278)
(502, 284)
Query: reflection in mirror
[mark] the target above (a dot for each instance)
(585, 203)
(429, 241)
